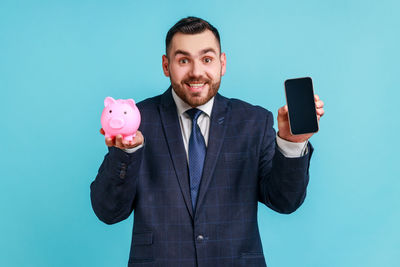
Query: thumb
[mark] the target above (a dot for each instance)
(283, 111)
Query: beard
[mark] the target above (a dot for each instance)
(195, 99)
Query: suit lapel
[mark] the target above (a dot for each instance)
(219, 119)
(173, 134)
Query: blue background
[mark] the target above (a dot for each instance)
(60, 59)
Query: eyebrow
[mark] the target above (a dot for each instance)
(181, 52)
(207, 50)
(202, 52)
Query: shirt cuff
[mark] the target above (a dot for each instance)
(291, 149)
(133, 149)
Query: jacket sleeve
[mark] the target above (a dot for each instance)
(282, 181)
(113, 191)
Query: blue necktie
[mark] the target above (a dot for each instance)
(197, 154)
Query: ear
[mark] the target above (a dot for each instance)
(165, 65)
(109, 100)
(223, 63)
(131, 102)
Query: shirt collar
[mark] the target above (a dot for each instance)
(182, 106)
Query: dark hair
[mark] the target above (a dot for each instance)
(190, 25)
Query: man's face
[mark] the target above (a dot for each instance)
(195, 66)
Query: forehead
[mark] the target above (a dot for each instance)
(194, 43)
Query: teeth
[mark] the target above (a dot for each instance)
(196, 84)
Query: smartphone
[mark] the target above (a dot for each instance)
(301, 105)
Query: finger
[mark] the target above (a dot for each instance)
(283, 110)
(316, 97)
(137, 140)
(319, 104)
(129, 144)
(102, 131)
(124, 142)
(320, 112)
(118, 141)
(109, 141)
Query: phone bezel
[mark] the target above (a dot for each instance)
(312, 88)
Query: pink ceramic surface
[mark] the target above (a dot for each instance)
(120, 116)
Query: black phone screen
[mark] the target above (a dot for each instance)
(301, 105)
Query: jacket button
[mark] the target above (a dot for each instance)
(123, 166)
(200, 238)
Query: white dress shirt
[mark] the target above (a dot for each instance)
(288, 149)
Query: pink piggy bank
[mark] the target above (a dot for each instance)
(120, 116)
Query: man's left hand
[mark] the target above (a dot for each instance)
(283, 122)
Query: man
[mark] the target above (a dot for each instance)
(194, 176)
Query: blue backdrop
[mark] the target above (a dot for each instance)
(60, 59)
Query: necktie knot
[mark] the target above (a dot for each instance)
(194, 114)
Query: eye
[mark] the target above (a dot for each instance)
(110, 111)
(183, 61)
(125, 112)
(207, 60)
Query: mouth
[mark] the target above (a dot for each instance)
(195, 87)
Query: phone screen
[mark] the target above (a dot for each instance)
(301, 105)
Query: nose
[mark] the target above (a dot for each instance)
(117, 123)
(196, 70)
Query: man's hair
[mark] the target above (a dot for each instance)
(190, 25)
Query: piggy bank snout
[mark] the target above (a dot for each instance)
(117, 123)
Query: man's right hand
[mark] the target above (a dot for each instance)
(119, 142)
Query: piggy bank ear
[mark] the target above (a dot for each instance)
(131, 102)
(109, 100)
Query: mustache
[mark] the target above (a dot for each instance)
(196, 81)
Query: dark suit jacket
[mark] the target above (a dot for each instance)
(242, 167)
